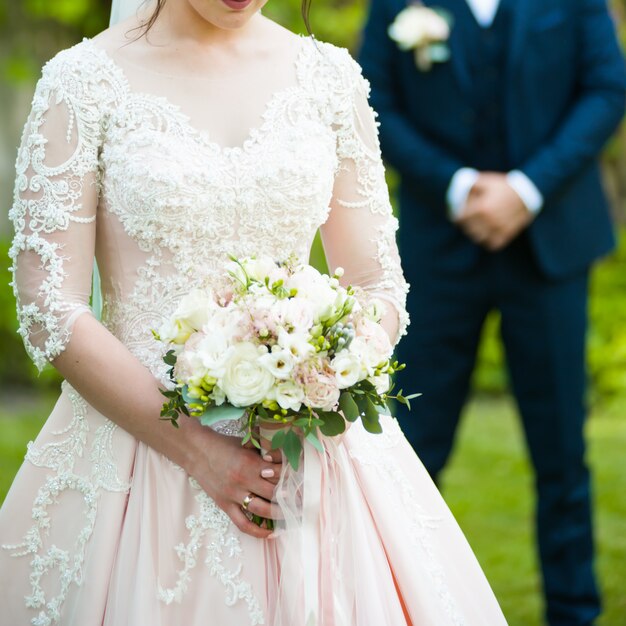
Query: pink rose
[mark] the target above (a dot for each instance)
(320, 387)
(375, 336)
(265, 315)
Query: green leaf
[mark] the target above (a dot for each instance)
(315, 442)
(361, 403)
(371, 421)
(220, 413)
(170, 358)
(304, 422)
(379, 401)
(348, 406)
(184, 392)
(292, 447)
(367, 386)
(334, 423)
(413, 396)
(278, 440)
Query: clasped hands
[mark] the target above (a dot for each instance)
(494, 214)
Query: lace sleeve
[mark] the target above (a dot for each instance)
(359, 234)
(54, 209)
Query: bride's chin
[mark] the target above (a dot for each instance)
(227, 14)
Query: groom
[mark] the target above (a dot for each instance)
(502, 208)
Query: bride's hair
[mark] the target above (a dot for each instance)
(304, 9)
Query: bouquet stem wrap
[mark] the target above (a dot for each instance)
(313, 560)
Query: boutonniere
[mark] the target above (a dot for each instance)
(424, 30)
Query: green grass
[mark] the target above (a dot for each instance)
(488, 486)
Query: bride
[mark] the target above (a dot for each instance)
(192, 130)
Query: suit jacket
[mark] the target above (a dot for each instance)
(564, 94)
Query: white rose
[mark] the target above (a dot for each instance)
(195, 309)
(246, 381)
(289, 395)
(279, 363)
(347, 368)
(417, 26)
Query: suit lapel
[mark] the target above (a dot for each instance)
(461, 15)
(522, 13)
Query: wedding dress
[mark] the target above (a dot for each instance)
(99, 529)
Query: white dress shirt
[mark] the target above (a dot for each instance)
(462, 182)
(484, 11)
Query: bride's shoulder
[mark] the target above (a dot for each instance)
(82, 72)
(334, 64)
(83, 61)
(335, 74)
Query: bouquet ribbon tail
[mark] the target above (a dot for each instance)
(313, 542)
(298, 494)
(310, 532)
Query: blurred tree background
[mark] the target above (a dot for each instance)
(497, 517)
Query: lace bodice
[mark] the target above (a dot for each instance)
(109, 170)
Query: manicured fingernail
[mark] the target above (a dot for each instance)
(268, 458)
(267, 473)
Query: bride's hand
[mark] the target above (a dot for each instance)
(228, 472)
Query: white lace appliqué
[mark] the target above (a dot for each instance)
(224, 548)
(60, 456)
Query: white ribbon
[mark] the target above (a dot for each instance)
(310, 542)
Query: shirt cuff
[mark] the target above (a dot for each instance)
(458, 190)
(526, 190)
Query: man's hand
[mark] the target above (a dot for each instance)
(494, 213)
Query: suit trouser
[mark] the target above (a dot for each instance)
(543, 328)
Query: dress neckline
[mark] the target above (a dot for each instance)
(254, 135)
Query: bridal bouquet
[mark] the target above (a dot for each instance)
(283, 345)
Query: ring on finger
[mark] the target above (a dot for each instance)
(246, 501)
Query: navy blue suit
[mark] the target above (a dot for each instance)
(540, 91)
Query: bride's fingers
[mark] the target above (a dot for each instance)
(241, 521)
(271, 473)
(266, 509)
(262, 487)
(271, 456)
